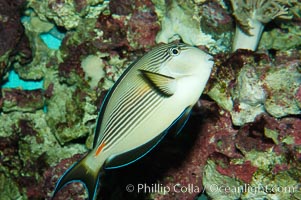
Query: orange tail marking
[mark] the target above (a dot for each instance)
(99, 148)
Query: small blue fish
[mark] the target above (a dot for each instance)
(153, 94)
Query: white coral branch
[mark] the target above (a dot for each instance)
(251, 16)
(265, 11)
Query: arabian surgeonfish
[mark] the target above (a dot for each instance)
(153, 94)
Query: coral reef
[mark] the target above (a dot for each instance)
(243, 140)
(275, 158)
(258, 160)
(247, 84)
(284, 38)
(14, 45)
(218, 23)
(22, 100)
(59, 116)
(179, 22)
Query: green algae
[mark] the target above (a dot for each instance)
(9, 189)
(4, 59)
(281, 40)
(37, 147)
(219, 186)
(218, 93)
(270, 186)
(39, 25)
(283, 184)
(288, 140)
(33, 146)
(36, 69)
(65, 114)
(271, 134)
(62, 102)
(282, 83)
(7, 129)
(264, 160)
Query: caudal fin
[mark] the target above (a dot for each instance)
(79, 173)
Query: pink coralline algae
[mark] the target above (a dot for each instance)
(121, 7)
(215, 137)
(178, 163)
(267, 147)
(130, 30)
(72, 63)
(238, 171)
(114, 35)
(22, 100)
(14, 45)
(215, 19)
(143, 28)
(220, 142)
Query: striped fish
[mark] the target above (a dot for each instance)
(153, 94)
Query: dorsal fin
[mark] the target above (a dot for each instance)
(166, 85)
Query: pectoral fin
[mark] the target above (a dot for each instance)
(165, 85)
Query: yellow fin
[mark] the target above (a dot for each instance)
(166, 85)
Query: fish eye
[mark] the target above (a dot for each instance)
(174, 51)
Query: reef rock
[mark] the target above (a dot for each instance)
(22, 100)
(248, 84)
(179, 21)
(265, 145)
(14, 45)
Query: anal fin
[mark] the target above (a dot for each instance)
(180, 122)
(128, 157)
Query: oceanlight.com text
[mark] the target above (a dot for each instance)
(214, 188)
(247, 188)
